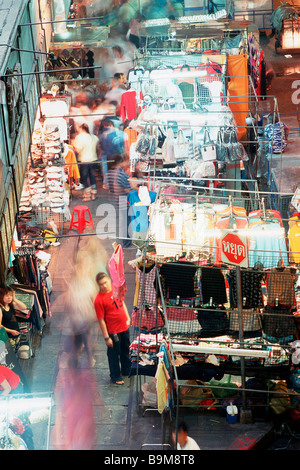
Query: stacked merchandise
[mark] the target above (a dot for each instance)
(44, 197)
(276, 134)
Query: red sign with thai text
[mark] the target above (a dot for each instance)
(234, 249)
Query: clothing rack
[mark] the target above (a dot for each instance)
(171, 314)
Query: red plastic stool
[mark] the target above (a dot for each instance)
(81, 222)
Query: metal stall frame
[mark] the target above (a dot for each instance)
(173, 348)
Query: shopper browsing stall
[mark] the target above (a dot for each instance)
(114, 323)
(8, 306)
(86, 146)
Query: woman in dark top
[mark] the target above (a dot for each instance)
(8, 304)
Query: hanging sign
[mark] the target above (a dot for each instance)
(234, 249)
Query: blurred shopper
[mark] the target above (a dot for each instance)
(75, 396)
(184, 441)
(112, 141)
(134, 30)
(118, 87)
(79, 309)
(122, 62)
(86, 146)
(114, 323)
(119, 183)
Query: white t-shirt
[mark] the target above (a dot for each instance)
(191, 444)
(86, 146)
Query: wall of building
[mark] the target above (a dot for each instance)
(18, 68)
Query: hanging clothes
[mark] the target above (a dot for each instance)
(294, 238)
(71, 163)
(178, 279)
(251, 287)
(267, 244)
(280, 283)
(128, 105)
(162, 387)
(279, 325)
(138, 212)
(116, 269)
(213, 286)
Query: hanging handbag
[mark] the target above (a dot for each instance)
(236, 149)
(204, 170)
(143, 141)
(193, 148)
(230, 141)
(168, 148)
(181, 147)
(221, 149)
(153, 142)
(208, 149)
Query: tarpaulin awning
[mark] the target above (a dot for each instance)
(285, 11)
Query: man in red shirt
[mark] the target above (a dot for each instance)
(9, 380)
(114, 323)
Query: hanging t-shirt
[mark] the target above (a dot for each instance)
(138, 214)
(251, 287)
(128, 105)
(267, 245)
(116, 269)
(213, 285)
(294, 239)
(280, 285)
(178, 278)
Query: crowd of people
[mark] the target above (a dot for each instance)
(97, 132)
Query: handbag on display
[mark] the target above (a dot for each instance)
(221, 149)
(153, 142)
(167, 150)
(193, 148)
(235, 149)
(144, 141)
(181, 147)
(208, 149)
(203, 170)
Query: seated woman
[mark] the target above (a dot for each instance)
(8, 306)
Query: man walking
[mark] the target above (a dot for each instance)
(114, 323)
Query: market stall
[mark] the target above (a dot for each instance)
(188, 298)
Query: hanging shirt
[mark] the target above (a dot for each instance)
(128, 105)
(267, 245)
(139, 220)
(116, 269)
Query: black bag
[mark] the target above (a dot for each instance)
(144, 142)
(222, 154)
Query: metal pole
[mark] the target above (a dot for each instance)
(241, 329)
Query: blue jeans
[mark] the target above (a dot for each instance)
(118, 356)
(104, 165)
(87, 173)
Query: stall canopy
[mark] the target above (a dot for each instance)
(238, 93)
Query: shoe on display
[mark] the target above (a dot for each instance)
(78, 187)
